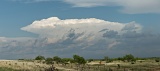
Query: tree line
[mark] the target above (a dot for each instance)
(81, 60)
(76, 59)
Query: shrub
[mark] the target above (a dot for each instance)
(90, 60)
(157, 60)
(49, 61)
(129, 58)
(57, 59)
(79, 59)
(40, 58)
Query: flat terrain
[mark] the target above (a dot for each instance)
(20, 65)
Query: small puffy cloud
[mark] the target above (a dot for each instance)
(127, 6)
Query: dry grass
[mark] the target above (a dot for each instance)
(148, 65)
(23, 65)
(30, 65)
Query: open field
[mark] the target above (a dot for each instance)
(148, 65)
(20, 65)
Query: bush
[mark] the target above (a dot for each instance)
(79, 59)
(157, 60)
(129, 58)
(90, 60)
(40, 58)
(57, 59)
(49, 61)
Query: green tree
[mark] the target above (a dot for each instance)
(57, 59)
(90, 60)
(129, 57)
(65, 60)
(79, 59)
(49, 60)
(40, 58)
(72, 61)
(107, 59)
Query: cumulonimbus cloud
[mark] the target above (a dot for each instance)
(87, 37)
(58, 29)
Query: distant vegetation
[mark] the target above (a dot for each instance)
(76, 59)
(81, 60)
(78, 63)
(129, 58)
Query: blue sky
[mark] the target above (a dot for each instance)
(19, 13)
(17, 17)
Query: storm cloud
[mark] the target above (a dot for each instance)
(91, 38)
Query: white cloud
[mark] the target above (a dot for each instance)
(89, 37)
(15, 42)
(113, 44)
(127, 6)
(89, 3)
(58, 30)
(90, 33)
(140, 6)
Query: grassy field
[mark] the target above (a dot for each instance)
(20, 65)
(7, 69)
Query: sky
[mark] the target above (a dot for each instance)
(89, 28)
